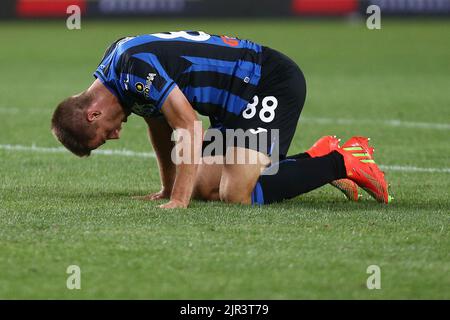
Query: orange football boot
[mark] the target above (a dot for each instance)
(362, 169)
(358, 143)
(324, 146)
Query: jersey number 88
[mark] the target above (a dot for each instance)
(267, 112)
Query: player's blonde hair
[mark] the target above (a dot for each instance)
(70, 125)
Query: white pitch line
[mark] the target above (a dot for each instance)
(129, 153)
(388, 123)
(107, 152)
(316, 120)
(9, 110)
(414, 169)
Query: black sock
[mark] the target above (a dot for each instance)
(302, 155)
(297, 176)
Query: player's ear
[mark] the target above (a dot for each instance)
(93, 115)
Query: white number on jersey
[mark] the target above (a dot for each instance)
(201, 36)
(267, 112)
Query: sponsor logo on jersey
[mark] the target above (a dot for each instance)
(230, 41)
(148, 83)
(139, 86)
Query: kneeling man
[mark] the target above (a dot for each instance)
(167, 78)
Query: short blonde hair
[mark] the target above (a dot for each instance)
(70, 125)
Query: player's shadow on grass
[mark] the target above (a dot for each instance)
(343, 205)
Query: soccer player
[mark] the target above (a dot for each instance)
(167, 77)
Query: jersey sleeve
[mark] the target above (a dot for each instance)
(105, 70)
(145, 78)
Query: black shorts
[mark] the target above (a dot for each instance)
(277, 104)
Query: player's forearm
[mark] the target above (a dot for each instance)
(184, 183)
(181, 117)
(160, 136)
(167, 169)
(187, 166)
(167, 178)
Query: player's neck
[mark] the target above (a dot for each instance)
(102, 95)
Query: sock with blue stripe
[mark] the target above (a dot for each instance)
(298, 176)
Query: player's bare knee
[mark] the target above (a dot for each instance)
(235, 195)
(206, 193)
(207, 182)
(229, 197)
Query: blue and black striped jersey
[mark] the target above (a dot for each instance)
(217, 74)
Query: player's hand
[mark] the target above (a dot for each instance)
(163, 194)
(174, 204)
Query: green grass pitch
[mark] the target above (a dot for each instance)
(57, 210)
